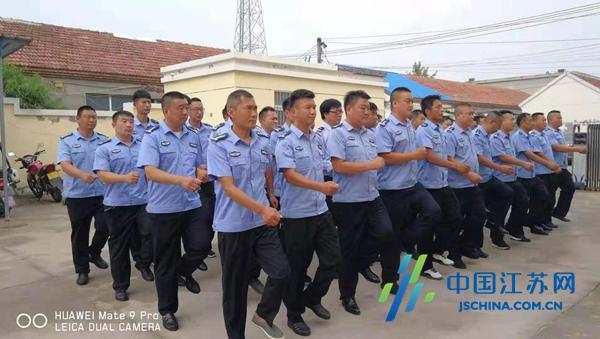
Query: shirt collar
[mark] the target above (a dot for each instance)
(502, 134)
(459, 129)
(432, 125)
(234, 137)
(482, 130)
(396, 121)
(523, 132)
(349, 127)
(79, 136)
(326, 126)
(118, 141)
(165, 129)
(298, 133)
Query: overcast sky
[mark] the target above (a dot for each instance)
(292, 27)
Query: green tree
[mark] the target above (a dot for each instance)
(31, 89)
(419, 70)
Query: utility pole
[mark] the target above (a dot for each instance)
(320, 46)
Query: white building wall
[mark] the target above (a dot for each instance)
(577, 100)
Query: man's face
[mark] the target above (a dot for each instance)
(373, 120)
(492, 126)
(358, 112)
(196, 112)
(555, 120)
(87, 120)
(142, 106)
(464, 117)
(508, 122)
(177, 111)
(244, 113)
(270, 121)
(446, 123)
(334, 116)
(304, 112)
(435, 114)
(539, 123)
(527, 124)
(417, 121)
(123, 126)
(403, 105)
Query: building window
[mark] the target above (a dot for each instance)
(105, 102)
(280, 96)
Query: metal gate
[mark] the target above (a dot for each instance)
(593, 157)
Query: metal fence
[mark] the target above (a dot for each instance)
(593, 158)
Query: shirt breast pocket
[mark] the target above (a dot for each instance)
(117, 157)
(354, 151)
(77, 155)
(400, 141)
(239, 166)
(303, 162)
(191, 154)
(168, 155)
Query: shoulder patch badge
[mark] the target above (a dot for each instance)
(165, 143)
(219, 137)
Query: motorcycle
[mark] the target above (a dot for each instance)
(41, 178)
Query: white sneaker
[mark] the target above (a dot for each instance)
(432, 273)
(442, 260)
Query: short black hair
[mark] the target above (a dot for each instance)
(169, 96)
(235, 97)
(188, 99)
(522, 117)
(225, 113)
(141, 94)
(195, 99)
(554, 111)
(535, 115)
(85, 108)
(328, 105)
(286, 104)
(445, 118)
(398, 90)
(504, 111)
(264, 111)
(373, 107)
(493, 115)
(300, 94)
(427, 102)
(478, 118)
(118, 114)
(351, 97)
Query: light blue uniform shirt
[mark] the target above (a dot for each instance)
(395, 136)
(501, 144)
(80, 152)
(430, 135)
(541, 145)
(139, 131)
(483, 148)
(353, 145)
(324, 132)
(557, 137)
(274, 138)
(521, 143)
(181, 156)
(461, 146)
(247, 164)
(305, 155)
(117, 157)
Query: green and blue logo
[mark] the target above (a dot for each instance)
(406, 280)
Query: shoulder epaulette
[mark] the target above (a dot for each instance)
(219, 137)
(154, 121)
(193, 129)
(105, 141)
(451, 128)
(336, 126)
(260, 133)
(384, 122)
(285, 134)
(152, 129)
(207, 125)
(322, 128)
(218, 126)
(279, 129)
(66, 136)
(102, 135)
(425, 124)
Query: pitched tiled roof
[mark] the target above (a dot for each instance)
(74, 53)
(594, 81)
(480, 95)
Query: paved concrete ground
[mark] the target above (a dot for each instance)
(36, 276)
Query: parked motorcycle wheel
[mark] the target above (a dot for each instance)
(35, 187)
(56, 194)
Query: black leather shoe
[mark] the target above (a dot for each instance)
(99, 262)
(82, 279)
(307, 279)
(203, 267)
(121, 295)
(565, 219)
(502, 230)
(546, 227)
(551, 225)
(482, 254)
(370, 275)
(458, 263)
(147, 274)
(320, 311)
(192, 285)
(257, 286)
(170, 322)
(471, 253)
(538, 230)
(350, 305)
(211, 254)
(300, 328)
(180, 281)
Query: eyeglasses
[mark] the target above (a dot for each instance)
(336, 112)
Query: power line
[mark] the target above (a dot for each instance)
(486, 42)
